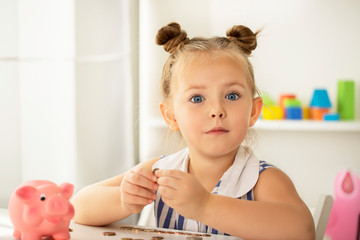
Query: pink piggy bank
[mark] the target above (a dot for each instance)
(41, 208)
(344, 221)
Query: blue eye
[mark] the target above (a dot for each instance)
(232, 96)
(197, 99)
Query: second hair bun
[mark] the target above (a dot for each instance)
(243, 37)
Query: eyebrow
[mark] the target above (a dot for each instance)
(232, 83)
(228, 84)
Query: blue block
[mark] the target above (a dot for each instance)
(294, 113)
(331, 117)
(320, 99)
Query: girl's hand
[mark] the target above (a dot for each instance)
(183, 192)
(138, 189)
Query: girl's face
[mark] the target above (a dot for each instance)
(213, 106)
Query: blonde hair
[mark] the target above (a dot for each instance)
(238, 45)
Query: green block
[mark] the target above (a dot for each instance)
(346, 99)
(267, 100)
(290, 102)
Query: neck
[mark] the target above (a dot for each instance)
(209, 169)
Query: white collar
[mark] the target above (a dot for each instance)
(238, 180)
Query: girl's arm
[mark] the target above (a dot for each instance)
(115, 198)
(277, 212)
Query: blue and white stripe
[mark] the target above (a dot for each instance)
(246, 164)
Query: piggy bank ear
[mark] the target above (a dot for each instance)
(67, 189)
(347, 184)
(26, 193)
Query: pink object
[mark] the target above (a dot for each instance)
(344, 221)
(41, 208)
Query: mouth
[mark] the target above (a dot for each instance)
(217, 131)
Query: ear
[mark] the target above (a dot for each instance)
(66, 189)
(168, 116)
(26, 193)
(256, 110)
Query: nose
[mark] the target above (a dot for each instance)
(56, 206)
(216, 115)
(217, 111)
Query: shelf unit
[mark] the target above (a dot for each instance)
(308, 125)
(288, 125)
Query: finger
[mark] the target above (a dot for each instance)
(138, 179)
(136, 200)
(145, 173)
(170, 182)
(167, 193)
(139, 191)
(170, 172)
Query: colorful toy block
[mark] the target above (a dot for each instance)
(320, 99)
(283, 98)
(294, 113)
(331, 117)
(306, 112)
(318, 113)
(346, 99)
(293, 109)
(320, 104)
(272, 113)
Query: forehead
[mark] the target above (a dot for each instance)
(194, 59)
(191, 63)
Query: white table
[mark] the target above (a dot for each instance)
(82, 232)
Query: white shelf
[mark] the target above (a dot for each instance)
(288, 125)
(308, 125)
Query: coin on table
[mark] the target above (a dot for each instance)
(109, 233)
(157, 238)
(126, 228)
(194, 238)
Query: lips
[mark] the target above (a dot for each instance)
(217, 131)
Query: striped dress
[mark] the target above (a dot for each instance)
(237, 182)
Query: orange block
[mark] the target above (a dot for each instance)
(318, 113)
(282, 99)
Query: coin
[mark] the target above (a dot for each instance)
(157, 238)
(126, 228)
(194, 238)
(109, 233)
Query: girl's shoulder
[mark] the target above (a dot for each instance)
(263, 165)
(274, 185)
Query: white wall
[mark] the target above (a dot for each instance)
(67, 73)
(303, 45)
(9, 101)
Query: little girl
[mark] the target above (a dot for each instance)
(215, 185)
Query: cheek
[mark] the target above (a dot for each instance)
(188, 119)
(242, 117)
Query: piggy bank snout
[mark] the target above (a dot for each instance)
(57, 206)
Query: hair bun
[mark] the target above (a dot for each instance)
(171, 36)
(243, 37)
